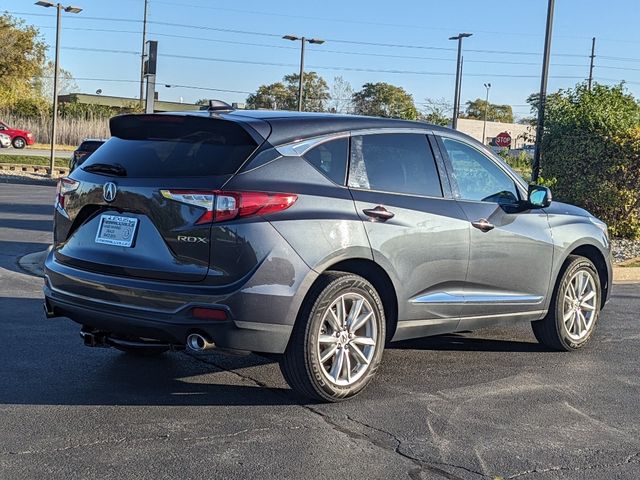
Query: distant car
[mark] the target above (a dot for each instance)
(5, 141)
(19, 138)
(84, 151)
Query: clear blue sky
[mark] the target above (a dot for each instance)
(498, 26)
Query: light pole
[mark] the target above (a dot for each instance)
(486, 107)
(59, 7)
(303, 40)
(535, 170)
(144, 43)
(456, 98)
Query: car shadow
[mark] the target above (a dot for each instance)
(462, 342)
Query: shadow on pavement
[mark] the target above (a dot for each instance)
(460, 342)
(39, 225)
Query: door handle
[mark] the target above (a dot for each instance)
(378, 213)
(483, 224)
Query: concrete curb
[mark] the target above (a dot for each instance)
(33, 263)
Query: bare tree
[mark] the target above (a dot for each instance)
(341, 96)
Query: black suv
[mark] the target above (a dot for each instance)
(316, 238)
(83, 152)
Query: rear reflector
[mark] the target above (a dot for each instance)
(203, 313)
(223, 206)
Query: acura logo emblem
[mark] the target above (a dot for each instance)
(109, 191)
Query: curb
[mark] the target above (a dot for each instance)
(33, 263)
(20, 167)
(622, 275)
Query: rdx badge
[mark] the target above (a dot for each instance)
(183, 238)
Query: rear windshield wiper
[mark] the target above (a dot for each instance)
(108, 168)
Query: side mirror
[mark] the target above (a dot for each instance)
(539, 196)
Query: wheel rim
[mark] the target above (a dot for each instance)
(347, 339)
(580, 305)
(19, 143)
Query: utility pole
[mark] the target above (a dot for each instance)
(142, 53)
(486, 108)
(456, 97)
(535, 171)
(150, 66)
(303, 40)
(592, 56)
(56, 71)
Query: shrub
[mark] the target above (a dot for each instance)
(591, 147)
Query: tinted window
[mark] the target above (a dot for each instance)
(330, 158)
(174, 146)
(478, 178)
(89, 146)
(394, 162)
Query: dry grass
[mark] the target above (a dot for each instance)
(70, 132)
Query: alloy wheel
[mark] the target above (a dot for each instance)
(580, 305)
(347, 339)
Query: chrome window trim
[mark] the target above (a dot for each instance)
(300, 147)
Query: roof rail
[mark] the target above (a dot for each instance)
(216, 106)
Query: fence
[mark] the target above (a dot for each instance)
(70, 131)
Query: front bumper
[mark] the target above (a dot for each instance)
(261, 310)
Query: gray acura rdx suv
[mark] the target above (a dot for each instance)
(316, 238)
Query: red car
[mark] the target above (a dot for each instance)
(19, 138)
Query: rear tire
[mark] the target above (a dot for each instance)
(574, 309)
(337, 342)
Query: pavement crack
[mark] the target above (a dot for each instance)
(633, 458)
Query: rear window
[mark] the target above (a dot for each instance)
(174, 146)
(89, 146)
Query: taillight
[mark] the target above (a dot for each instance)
(223, 206)
(65, 186)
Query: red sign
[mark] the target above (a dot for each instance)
(503, 140)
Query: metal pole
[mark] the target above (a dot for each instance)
(56, 72)
(593, 56)
(486, 107)
(144, 41)
(456, 97)
(535, 171)
(300, 85)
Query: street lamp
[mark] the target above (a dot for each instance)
(59, 8)
(456, 98)
(486, 107)
(535, 170)
(303, 40)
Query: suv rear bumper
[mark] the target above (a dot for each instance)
(260, 313)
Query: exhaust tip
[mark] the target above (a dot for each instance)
(198, 343)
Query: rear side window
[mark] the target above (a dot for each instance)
(394, 162)
(174, 146)
(89, 146)
(331, 159)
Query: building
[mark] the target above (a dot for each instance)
(521, 135)
(123, 102)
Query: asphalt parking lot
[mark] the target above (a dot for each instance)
(466, 406)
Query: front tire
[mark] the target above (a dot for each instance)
(19, 143)
(574, 309)
(337, 342)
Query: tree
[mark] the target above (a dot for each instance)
(591, 147)
(437, 111)
(44, 84)
(284, 95)
(495, 113)
(21, 59)
(384, 100)
(341, 96)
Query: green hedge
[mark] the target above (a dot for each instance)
(591, 148)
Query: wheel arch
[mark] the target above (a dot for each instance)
(379, 278)
(594, 254)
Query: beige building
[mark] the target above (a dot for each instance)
(521, 135)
